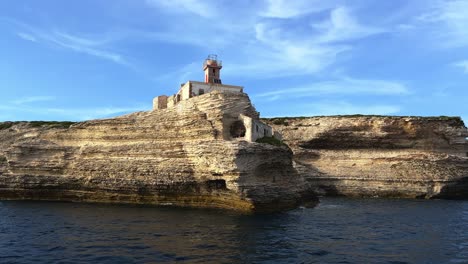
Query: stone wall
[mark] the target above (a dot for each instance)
(160, 102)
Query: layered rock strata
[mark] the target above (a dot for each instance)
(379, 156)
(181, 156)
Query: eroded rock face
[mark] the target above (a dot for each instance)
(180, 156)
(380, 156)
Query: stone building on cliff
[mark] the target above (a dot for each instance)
(243, 127)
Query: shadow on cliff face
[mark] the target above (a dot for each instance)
(76, 177)
(319, 183)
(3, 163)
(458, 190)
(270, 181)
(356, 137)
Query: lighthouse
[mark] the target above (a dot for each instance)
(212, 67)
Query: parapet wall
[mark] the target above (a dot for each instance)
(192, 89)
(160, 102)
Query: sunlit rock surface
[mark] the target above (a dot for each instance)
(181, 156)
(378, 156)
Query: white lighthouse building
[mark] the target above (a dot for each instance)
(242, 127)
(212, 68)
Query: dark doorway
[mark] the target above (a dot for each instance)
(238, 129)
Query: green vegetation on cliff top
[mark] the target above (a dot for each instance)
(284, 120)
(270, 140)
(49, 124)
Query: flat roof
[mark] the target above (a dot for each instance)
(216, 84)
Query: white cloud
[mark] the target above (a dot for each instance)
(449, 21)
(95, 47)
(81, 114)
(462, 64)
(204, 8)
(32, 99)
(74, 114)
(27, 36)
(268, 39)
(289, 9)
(265, 46)
(274, 54)
(343, 86)
(280, 50)
(342, 26)
(82, 45)
(182, 74)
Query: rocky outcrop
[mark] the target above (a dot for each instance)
(380, 156)
(181, 156)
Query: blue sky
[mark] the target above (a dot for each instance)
(78, 60)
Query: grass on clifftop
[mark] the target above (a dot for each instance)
(50, 124)
(285, 120)
(270, 140)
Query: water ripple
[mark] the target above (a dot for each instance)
(338, 231)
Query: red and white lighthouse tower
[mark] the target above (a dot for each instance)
(212, 67)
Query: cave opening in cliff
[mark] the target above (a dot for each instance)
(238, 129)
(216, 184)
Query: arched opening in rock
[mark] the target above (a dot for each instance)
(238, 129)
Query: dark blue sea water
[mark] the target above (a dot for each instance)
(337, 231)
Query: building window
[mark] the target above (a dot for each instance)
(178, 98)
(201, 91)
(265, 132)
(214, 71)
(256, 128)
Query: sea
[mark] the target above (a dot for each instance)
(338, 230)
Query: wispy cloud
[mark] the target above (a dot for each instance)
(81, 114)
(463, 65)
(73, 114)
(32, 99)
(342, 26)
(274, 55)
(182, 74)
(343, 86)
(449, 22)
(28, 106)
(289, 9)
(276, 39)
(26, 36)
(82, 45)
(95, 47)
(205, 8)
(283, 51)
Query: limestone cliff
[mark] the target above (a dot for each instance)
(380, 156)
(180, 156)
